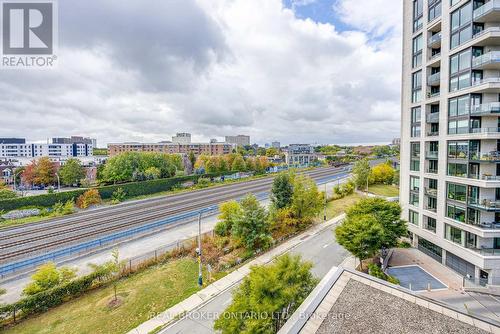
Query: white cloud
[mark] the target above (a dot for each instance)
(242, 67)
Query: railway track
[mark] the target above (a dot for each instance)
(36, 238)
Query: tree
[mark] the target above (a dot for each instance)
(360, 235)
(72, 172)
(192, 158)
(361, 173)
(307, 201)
(282, 190)
(48, 276)
(382, 173)
(152, 173)
(229, 213)
(88, 198)
(387, 214)
(272, 151)
(267, 297)
(44, 172)
(238, 164)
(252, 226)
(115, 267)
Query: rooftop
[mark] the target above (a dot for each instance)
(348, 302)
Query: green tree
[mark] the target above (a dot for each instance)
(267, 297)
(238, 163)
(282, 190)
(388, 216)
(192, 158)
(72, 172)
(307, 201)
(382, 173)
(252, 226)
(7, 194)
(48, 276)
(360, 235)
(115, 267)
(361, 173)
(152, 173)
(229, 212)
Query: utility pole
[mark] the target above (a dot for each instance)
(200, 274)
(58, 183)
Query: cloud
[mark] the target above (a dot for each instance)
(145, 70)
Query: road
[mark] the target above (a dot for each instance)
(321, 249)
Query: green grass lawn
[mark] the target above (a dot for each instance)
(152, 290)
(338, 206)
(384, 190)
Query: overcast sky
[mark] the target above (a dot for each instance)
(314, 71)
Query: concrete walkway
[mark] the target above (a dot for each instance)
(205, 295)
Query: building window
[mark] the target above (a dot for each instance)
(460, 74)
(417, 51)
(455, 212)
(413, 217)
(434, 9)
(458, 150)
(459, 106)
(430, 224)
(459, 170)
(418, 14)
(461, 25)
(416, 127)
(415, 157)
(453, 234)
(416, 87)
(456, 192)
(414, 190)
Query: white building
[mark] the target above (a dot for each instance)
(450, 137)
(300, 154)
(8, 151)
(240, 140)
(182, 138)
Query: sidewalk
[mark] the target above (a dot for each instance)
(216, 288)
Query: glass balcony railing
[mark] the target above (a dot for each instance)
(431, 154)
(486, 31)
(487, 177)
(492, 5)
(433, 117)
(431, 192)
(485, 81)
(493, 156)
(489, 251)
(485, 130)
(434, 79)
(485, 109)
(488, 58)
(485, 204)
(434, 39)
(432, 133)
(432, 170)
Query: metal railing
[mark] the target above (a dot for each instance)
(485, 130)
(486, 8)
(484, 203)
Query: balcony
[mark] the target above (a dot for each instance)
(434, 79)
(432, 133)
(488, 251)
(488, 61)
(489, 12)
(487, 37)
(487, 177)
(431, 154)
(434, 117)
(485, 130)
(432, 170)
(431, 192)
(486, 109)
(484, 204)
(493, 156)
(434, 41)
(487, 85)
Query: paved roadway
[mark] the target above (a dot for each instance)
(322, 250)
(25, 241)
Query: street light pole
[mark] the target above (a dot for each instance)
(326, 194)
(200, 274)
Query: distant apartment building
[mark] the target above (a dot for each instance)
(12, 141)
(240, 140)
(299, 154)
(396, 142)
(450, 133)
(172, 148)
(75, 140)
(182, 138)
(276, 144)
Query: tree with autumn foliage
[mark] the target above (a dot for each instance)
(39, 172)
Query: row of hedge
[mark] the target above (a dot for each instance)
(131, 189)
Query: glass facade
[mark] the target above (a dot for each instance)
(461, 25)
(416, 87)
(416, 123)
(418, 14)
(417, 50)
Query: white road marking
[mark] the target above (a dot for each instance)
(326, 245)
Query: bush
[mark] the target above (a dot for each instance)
(203, 182)
(63, 209)
(119, 195)
(88, 198)
(7, 194)
(344, 189)
(376, 271)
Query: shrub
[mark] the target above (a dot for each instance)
(229, 212)
(203, 182)
(88, 198)
(344, 190)
(48, 276)
(119, 195)
(376, 271)
(63, 209)
(7, 194)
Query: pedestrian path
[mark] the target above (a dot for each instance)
(216, 288)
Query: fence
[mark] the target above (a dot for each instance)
(106, 240)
